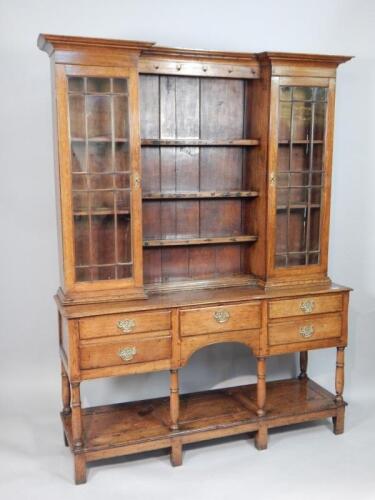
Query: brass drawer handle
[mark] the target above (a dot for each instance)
(221, 316)
(126, 325)
(127, 353)
(307, 306)
(306, 331)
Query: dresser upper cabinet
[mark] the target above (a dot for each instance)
(236, 162)
(97, 147)
(300, 92)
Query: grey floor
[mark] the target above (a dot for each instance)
(302, 462)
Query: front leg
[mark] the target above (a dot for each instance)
(79, 455)
(65, 393)
(339, 419)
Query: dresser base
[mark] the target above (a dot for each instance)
(127, 428)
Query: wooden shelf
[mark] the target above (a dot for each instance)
(201, 194)
(199, 241)
(98, 139)
(101, 212)
(301, 142)
(127, 428)
(97, 94)
(199, 142)
(298, 206)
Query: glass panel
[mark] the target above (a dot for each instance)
(120, 85)
(98, 113)
(302, 121)
(122, 161)
(78, 156)
(77, 116)
(121, 115)
(99, 135)
(98, 85)
(76, 84)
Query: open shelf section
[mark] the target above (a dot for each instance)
(202, 194)
(127, 428)
(199, 241)
(199, 142)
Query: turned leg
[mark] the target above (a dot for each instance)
(174, 399)
(261, 386)
(176, 448)
(338, 421)
(303, 360)
(79, 456)
(65, 393)
(261, 437)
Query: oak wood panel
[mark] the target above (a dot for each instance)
(288, 332)
(295, 307)
(104, 326)
(214, 319)
(146, 348)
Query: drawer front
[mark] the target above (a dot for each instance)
(220, 319)
(124, 324)
(305, 330)
(125, 351)
(305, 306)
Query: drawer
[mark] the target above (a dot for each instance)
(304, 306)
(133, 349)
(126, 323)
(220, 319)
(305, 330)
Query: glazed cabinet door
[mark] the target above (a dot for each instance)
(98, 140)
(300, 175)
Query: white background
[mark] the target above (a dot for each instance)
(302, 462)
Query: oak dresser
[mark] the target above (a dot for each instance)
(193, 198)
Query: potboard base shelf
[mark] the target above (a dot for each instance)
(134, 427)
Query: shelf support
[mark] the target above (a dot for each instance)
(79, 456)
(261, 436)
(339, 419)
(303, 361)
